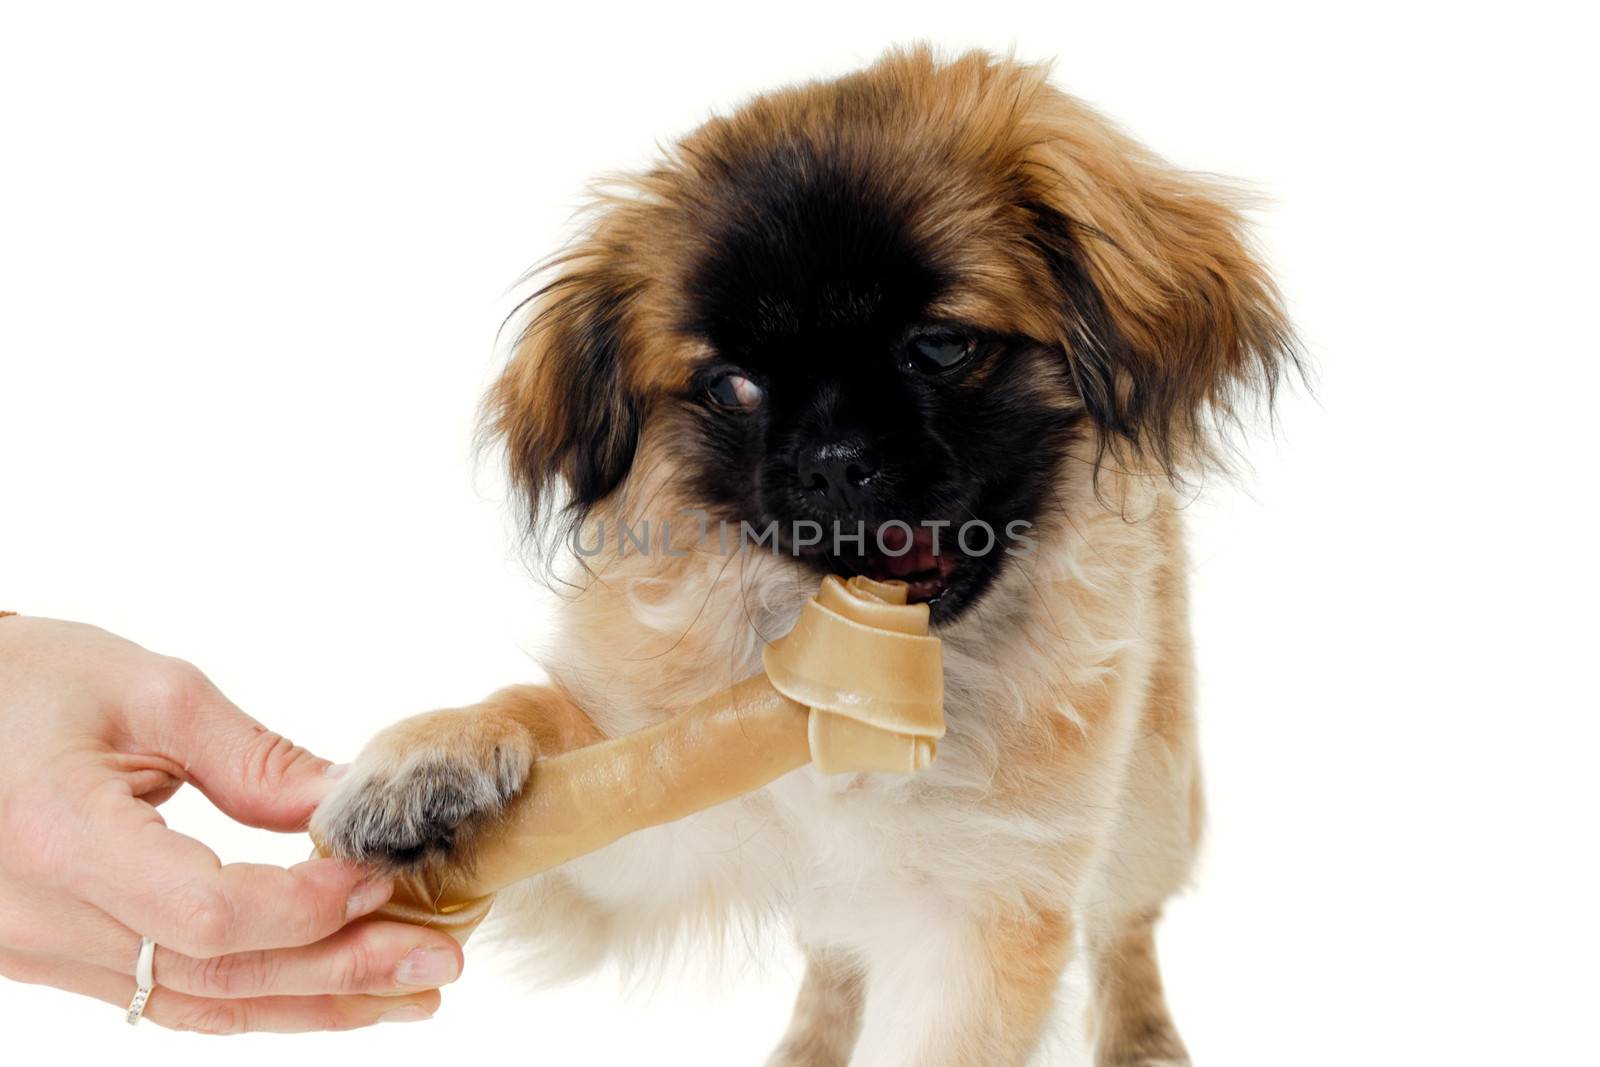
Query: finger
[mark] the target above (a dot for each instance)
(173, 889)
(179, 1011)
(383, 958)
(256, 776)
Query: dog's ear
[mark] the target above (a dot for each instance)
(565, 406)
(1167, 315)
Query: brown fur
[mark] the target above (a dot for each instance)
(1195, 316)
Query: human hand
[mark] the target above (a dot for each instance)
(97, 732)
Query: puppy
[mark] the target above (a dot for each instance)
(930, 298)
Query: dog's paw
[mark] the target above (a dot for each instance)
(421, 789)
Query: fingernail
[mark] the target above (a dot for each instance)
(406, 1013)
(336, 770)
(427, 968)
(368, 896)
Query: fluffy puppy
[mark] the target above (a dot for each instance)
(932, 297)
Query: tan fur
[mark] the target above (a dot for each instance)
(938, 911)
(827, 1014)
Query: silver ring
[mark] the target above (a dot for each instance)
(144, 976)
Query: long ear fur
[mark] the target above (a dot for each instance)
(564, 406)
(1167, 315)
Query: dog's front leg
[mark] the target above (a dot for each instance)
(422, 788)
(965, 991)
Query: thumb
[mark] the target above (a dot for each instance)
(256, 776)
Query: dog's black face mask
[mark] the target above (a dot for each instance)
(833, 404)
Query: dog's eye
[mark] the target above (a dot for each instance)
(939, 352)
(735, 391)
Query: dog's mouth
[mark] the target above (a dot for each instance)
(930, 558)
(926, 561)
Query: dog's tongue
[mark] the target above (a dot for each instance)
(916, 552)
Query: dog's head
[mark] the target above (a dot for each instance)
(865, 315)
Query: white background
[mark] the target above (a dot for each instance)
(251, 266)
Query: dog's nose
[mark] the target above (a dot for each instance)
(840, 471)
